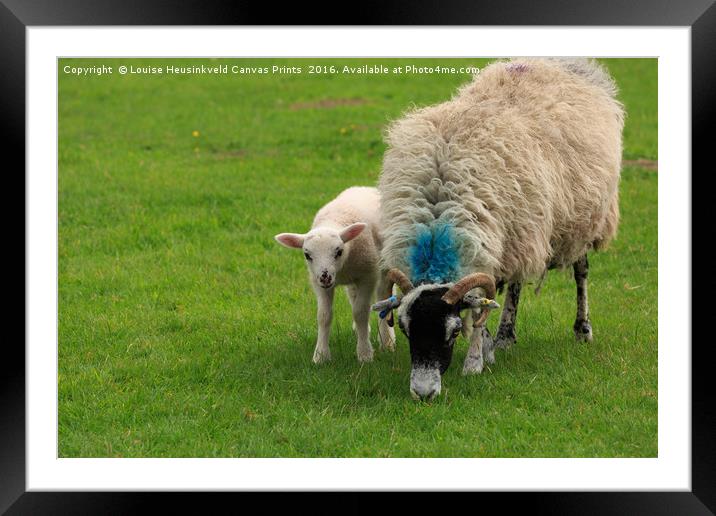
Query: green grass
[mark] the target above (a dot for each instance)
(186, 331)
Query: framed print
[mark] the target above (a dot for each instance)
(349, 258)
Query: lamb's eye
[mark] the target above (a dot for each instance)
(339, 252)
(308, 257)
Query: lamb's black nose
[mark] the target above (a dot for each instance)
(326, 279)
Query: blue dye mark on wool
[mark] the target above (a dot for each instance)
(434, 256)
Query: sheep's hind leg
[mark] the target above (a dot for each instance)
(582, 326)
(506, 336)
(324, 298)
(361, 318)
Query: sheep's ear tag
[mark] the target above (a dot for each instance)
(384, 307)
(384, 313)
(490, 304)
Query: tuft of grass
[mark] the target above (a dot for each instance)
(185, 331)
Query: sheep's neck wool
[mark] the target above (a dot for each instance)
(434, 256)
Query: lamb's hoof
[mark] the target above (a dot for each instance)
(583, 331)
(321, 356)
(505, 337)
(473, 365)
(365, 355)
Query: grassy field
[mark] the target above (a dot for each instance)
(186, 331)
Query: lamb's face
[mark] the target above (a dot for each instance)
(432, 326)
(324, 252)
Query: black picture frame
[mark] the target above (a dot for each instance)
(700, 15)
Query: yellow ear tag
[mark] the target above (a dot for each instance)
(489, 304)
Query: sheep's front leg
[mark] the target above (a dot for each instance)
(467, 322)
(324, 297)
(474, 361)
(582, 326)
(386, 330)
(506, 336)
(361, 319)
(488, 345)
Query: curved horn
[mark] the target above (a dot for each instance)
(398, 277)
(462, 287)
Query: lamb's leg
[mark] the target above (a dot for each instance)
(582, 326)
(351, 293)
(324, 298)
(386, 331)
(361, 318)
(474, 359)
(506, 336)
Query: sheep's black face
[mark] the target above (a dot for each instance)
(431, 325)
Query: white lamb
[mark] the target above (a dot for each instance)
(343, 248)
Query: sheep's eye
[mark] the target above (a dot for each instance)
(339, 253)
(308, 257)
(455, 332)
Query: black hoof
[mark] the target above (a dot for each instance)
(583, 330)
(505, 337)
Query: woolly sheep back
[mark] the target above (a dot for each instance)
(524, 161)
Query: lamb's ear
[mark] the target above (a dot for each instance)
(292, 240)
(353, 231)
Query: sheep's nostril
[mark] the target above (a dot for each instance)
(424, 396)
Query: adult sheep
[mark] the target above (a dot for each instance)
(516, 174)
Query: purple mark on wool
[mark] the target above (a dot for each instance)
(517, 67)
